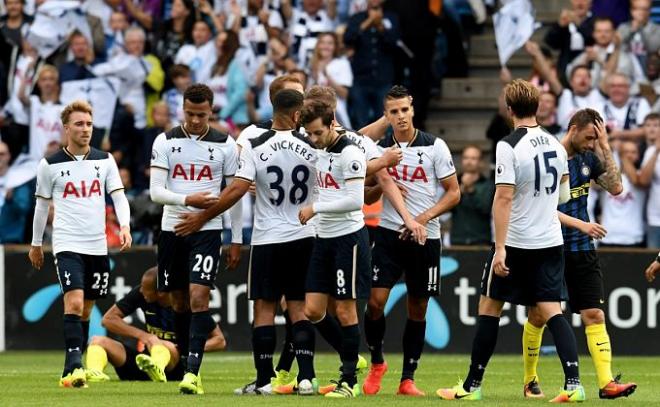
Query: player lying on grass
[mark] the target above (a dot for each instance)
(160, 359)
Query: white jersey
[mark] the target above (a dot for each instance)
(281, 163)
(253, 131)
(339, 163)
(194, 164)
(653, 207)
(426, 162)
(78, 189)
(367, 145)
(533, 161)
(569, 103)
(45, 126)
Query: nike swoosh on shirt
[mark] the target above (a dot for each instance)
(528, 348)
(602, 343)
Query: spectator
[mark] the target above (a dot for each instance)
(546, 114)
(96, 41)
(623, 114)
(14, 24)
(606, 56)
(571, 34)
(580, 95)
(142, 11)
(160, 123)
(44, 112)
(18, 203)
(328, 68)
(181, 77)
(471, 217)
(372, 35)
(5, 157)
(623, 215)
(651, 89)
(500, 125)
(640, 36)
(17, 126)
(83, 58)
(543, 72)
(650, 177)
(174, 32)
(256, 27)
(199, 55)
(229, 83)
(306, 24)
(114, 41)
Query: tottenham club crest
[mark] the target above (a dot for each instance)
(585, 170)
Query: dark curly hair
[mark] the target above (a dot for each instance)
(198, 93)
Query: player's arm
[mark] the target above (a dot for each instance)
(390, 157)
(375, 130)
(505, 185)
(653, 269)
(43, 195)
(113, 321)
(592, 229)
(236, 216)
(631, 172)
(216, 341)
(393, 194)
(610, 180)
(115, 188)
(451, 198)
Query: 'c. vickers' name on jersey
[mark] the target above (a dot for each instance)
(78, 188)
(533, 161)
(426, 162)
(282, 165)
(339, 163)
(582, 169)
(194, 164)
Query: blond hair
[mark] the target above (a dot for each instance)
(522, 97)
(323, 93)
(49, 68)
(75, 106)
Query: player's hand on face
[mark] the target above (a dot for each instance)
(306, 214)
(201, 200)
(593, 229)
(36, 256)
(499, 263)
(233, 256)
(601, 133)
(652, 270)
(125, 238)
(190, 223)
(392, 156)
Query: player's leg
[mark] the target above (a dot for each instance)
(155, 362)
(98, 354)
(71, 274)
(264, 340)
(304, 340)
(288, 354)
(531, 346)
(413, 344)
(88, 305)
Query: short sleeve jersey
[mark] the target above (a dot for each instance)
(426, 162)
(533, 161)
(193, 164)
(78, 188)
(282, 164)
(340, 163)
(159, 320)
(252, 131)
(367, 145)
(582, 169)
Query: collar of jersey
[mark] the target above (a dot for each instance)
(339, 137)
(73, 157)
(185, 131)
(410, 143)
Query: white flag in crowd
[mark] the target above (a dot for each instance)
(101, 93)
(54, 22)
(514, 25)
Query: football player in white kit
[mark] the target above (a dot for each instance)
(341, 259)
(426, 166)
(188, 164)
(281, 163)
(77, 179)
(526, 265)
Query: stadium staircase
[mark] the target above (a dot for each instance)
(461, 113)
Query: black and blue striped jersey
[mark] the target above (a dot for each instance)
(582, 169)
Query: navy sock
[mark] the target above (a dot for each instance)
(288, 354)
(85, 331)
(73, 337)
(413, 344)
(304, 339)
(263, 346)
(374, 331)
(566, 348)
(182, 332)
(483, 347)
(201, 324)
(349, 353)
(331, 331)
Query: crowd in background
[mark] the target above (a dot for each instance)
(134, 58)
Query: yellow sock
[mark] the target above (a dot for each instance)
(160, 355)
(531, 342)
(601, 352)
(97, 358)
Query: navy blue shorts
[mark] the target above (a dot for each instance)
(341, 266)
(85, 272)
(193, 259)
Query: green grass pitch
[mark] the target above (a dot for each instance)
(30, 378)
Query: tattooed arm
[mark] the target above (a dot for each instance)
(610, 180)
